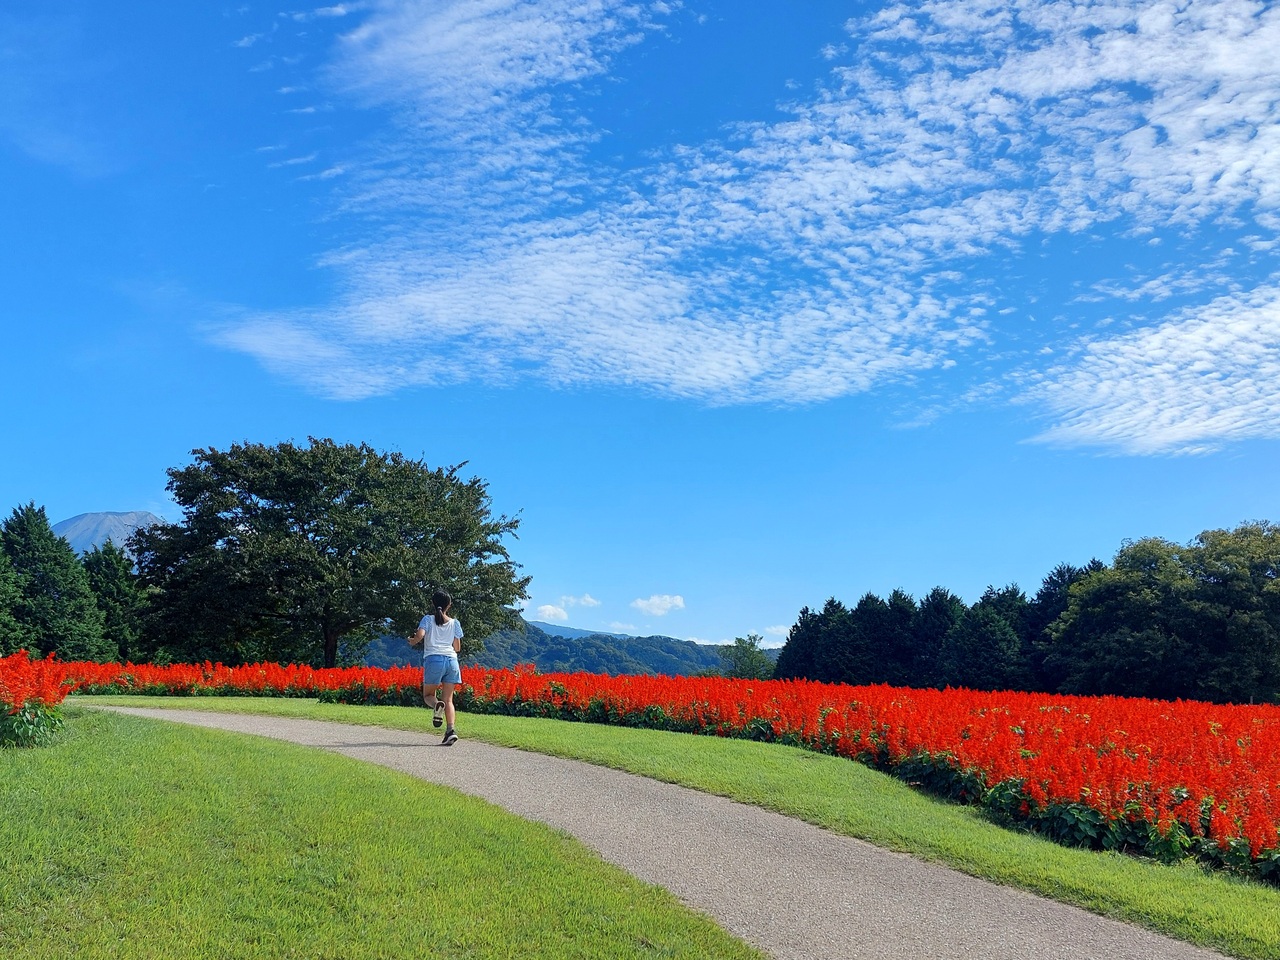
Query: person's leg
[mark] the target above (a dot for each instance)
(430, 694)
(448, 705)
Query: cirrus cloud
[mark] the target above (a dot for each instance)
(858, 242)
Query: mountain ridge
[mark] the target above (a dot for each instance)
(550, 653)
(574, 633)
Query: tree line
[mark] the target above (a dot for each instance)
(1163, 620)
(306, 553)
(289, 553)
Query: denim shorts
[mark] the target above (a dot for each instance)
(440, 668)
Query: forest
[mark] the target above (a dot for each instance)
(1163, 620)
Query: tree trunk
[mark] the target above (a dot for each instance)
(331, 648)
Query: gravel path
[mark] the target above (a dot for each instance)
(793, 890)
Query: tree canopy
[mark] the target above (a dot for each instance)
(1197, 621)
(120, 598)
(1163, 620)
(745, 660)
(304, 553)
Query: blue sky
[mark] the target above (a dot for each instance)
(738, 305)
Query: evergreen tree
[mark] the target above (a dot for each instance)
(899, 643)
(796, 659)
(837, 654)
(120, 598)
(14, 635)
(55, 605)
(980, 652)
(863, 653)
(1049, 603)
(939, 611)
(1012, 606)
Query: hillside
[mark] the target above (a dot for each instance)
(591, 653)
(597, 653)
(89, 530)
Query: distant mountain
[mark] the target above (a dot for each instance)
(592, 653)
(596, 653)
(556, 630)
(90, 530)
(612, 654)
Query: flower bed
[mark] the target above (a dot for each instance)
(30, 694)
(1161, 779)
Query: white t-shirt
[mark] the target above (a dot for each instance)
(439, 639)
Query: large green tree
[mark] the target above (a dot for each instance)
(55, 607)
(745, 660)
(119, 596)
(304, 553)
(1198, 621)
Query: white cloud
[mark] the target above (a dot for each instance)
(659, 605)
(586, 600)
(553, 613)
(800, 260)
(619, 627)
(1204, 376)
(779, 631)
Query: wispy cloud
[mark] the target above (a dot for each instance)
(293, 161)
(790, 261)
(52, 107)
(1205, 376)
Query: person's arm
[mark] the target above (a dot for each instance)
(457, 637)
(418, 636)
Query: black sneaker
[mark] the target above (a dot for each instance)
(450, 738)
(439, 714)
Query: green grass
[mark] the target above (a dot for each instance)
(130, 838)
(1233, 916)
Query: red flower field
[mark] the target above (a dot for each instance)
(1156, 777)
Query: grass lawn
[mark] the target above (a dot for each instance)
(1236, 917)
(135, 839)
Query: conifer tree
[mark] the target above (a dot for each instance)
(55, 605)
(14, 635)
(120, 598)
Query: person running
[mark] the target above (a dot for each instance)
(441, 639)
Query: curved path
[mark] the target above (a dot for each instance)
(794, 890)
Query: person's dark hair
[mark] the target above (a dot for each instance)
(441, 600)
